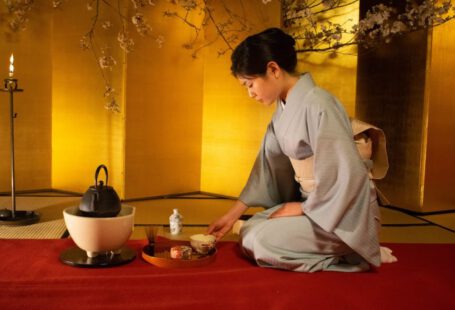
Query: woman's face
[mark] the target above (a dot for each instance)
(264, 89)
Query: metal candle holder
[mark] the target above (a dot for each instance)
(13, 217)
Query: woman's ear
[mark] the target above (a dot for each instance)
(274, 69)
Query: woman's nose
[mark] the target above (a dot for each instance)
(251, 93)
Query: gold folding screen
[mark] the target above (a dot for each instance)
(405, 88)
(437, 191)
(186, 124)
(84, 133)
(33, 69)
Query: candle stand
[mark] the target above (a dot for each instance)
(13, 217)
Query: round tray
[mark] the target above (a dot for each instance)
(161, 257)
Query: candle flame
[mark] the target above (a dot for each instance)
(11, 65)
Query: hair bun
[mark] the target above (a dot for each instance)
(280, 36)
(289, 39)
(253, 54)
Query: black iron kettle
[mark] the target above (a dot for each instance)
(100, 200)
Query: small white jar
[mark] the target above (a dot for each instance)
(175, 222)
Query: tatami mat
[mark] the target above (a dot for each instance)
(187, 231)
(390, 217)
(50, 208)
(194, 211)
(41, 230)
(446, 220)
(37, 202)
(416, 234)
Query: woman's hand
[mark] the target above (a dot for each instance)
(288, 209)
(221, 226)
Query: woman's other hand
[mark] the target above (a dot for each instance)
(224, 224)
(288, 209)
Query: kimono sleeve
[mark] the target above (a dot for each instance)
(343, 200)
(271, 180)
(341, 178)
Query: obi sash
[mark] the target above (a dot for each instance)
(371, 145)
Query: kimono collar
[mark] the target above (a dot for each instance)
(302, 86)
(283, 113)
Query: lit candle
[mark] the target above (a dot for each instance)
(11, 65)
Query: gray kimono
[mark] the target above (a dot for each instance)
(339, 229)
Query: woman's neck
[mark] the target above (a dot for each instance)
(288, 82)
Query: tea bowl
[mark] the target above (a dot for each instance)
(202, 244)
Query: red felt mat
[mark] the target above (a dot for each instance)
(32, 277)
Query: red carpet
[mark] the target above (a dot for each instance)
(32, 277)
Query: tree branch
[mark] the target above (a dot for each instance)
(220, 32)
(325, 49)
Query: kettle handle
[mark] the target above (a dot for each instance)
(98, 171)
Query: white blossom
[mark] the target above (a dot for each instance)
(398, 27)
(329, 3)
(160, 40)
(109, 91)
(84, 42)
(106, 25)
(57, 3)
(125, 41)
(18, 10)
(142, 3)
(112, 105)
(142, 27)
(106, 62)
(186, 4)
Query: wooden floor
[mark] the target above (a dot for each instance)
(199, 210)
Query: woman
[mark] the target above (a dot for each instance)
(332, 221)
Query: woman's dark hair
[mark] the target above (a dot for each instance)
(251, 56)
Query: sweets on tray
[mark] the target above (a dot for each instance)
(181, 252)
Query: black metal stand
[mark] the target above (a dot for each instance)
(13, 217)
(78, 258)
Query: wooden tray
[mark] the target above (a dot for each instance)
(162, 256)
